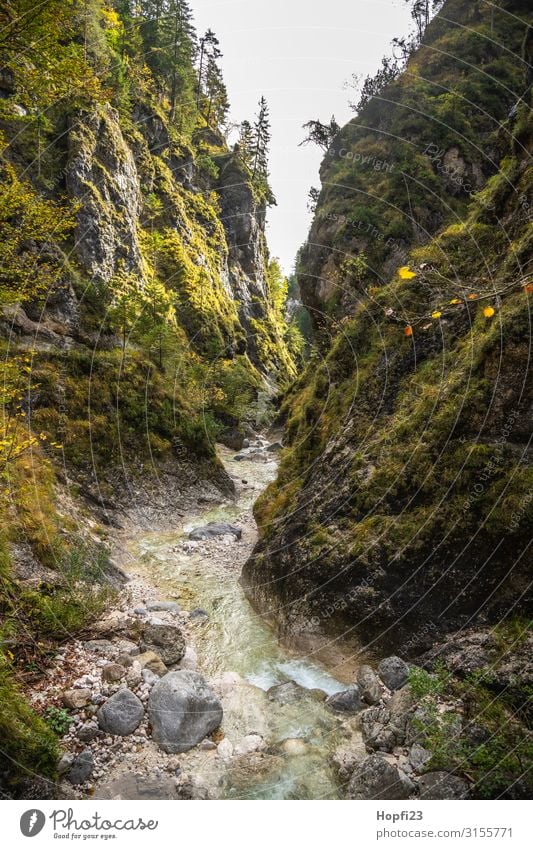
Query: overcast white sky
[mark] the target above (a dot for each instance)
(298, 53)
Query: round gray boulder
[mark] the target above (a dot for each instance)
(121, 714)
(394, 672)
(183, 710)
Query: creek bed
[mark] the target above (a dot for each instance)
(300, 736)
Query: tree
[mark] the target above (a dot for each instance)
(312, 199)
(183, 49)
(421, 11)
(373, 86)
(209, 52)
(169, 42)
(246, 142)
(216, 94)
(262, 136)
(320, 134)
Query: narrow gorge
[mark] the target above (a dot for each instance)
(263, 538)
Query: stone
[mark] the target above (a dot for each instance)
(82, 768)
(113, 672)
(151, 660)
(163, 607)
(349, 701)
(370, 685)
(346, 758)
(126, 647)
(255, 768)
(250, 743)
(165, 640)
(225, 749)
(227, 683)
(394, 672)
(215, 529)
(198, 613)
(419, 757)
(183, 711)
(141, 611)
(134, 677)
(232, 438)
(104, 647)
(150, 677)
(274, 448)
(294, 747)
(76, 699)
(189, 659)
(121, 714)
(207, 746)
(286, 693)
(377, 778)
(384, 727)
(64, 763)
(88, 732)
(442, 785)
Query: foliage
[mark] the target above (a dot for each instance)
(29, 746)
(27, 220)
(58, 719)
(321, 134)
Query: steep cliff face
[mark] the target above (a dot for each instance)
(137, 320)
(415, 155)
(403, 505)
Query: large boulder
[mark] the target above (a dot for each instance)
(349, 701)
(213, 530)
(394, 672)
(369, 684)
(121, 714)
(377, 778)
(165, 640)
(183, 710)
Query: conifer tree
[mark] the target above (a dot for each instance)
(246, 142)
(262, 136)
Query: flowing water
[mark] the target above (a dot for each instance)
(301, 734)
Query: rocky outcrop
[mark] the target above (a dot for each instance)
(102, 177)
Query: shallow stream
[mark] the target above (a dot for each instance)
(301, 734)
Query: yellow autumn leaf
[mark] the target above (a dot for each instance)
(436, 315)
(488, 312)
(408, 331)
(406, 273)
(455, 301)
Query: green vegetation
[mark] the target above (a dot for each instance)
(482, 734)
(130, 351)
(412, 160)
